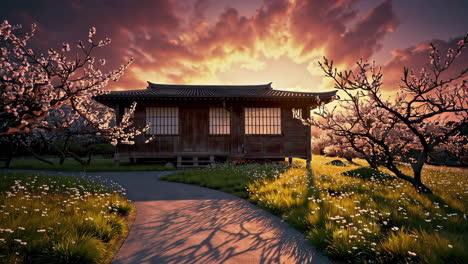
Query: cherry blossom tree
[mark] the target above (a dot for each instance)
(332, 145)
(21, 144)
(63, 140)
(455, 150)
(340, 147)
(429, 111)
(32, 85)
(320, 142)
(78, 140)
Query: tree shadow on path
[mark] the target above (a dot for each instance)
(190, 224)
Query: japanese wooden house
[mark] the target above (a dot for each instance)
(198, 124)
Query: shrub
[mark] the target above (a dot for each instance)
(337, 163)
(319, 237)
(122, 208)
(118, 225)
(73, 250)
(368, 174)
(97, 227)
(297, 218)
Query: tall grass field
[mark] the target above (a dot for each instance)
(59, 219)
(355, 214)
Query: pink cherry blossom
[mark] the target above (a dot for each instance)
(33, 85)
(427, 115)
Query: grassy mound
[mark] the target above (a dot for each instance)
(367, 173)
(59, 219)
(337, 163)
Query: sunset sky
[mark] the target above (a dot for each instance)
(248, 41)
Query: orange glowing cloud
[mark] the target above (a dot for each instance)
(246, 48)
(223, 42)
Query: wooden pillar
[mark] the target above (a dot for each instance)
(237, 130)
(306, 115)
(212, 161)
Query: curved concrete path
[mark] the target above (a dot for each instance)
(179, 223)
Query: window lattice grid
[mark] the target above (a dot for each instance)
(162, 120)
(220, 121)
(263, 121)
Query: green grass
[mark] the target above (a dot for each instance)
(361, 217)
(59, 219)
(72, 165)
(230, 179)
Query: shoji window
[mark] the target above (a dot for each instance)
(262, 121)
(220, 121)
(163, 120)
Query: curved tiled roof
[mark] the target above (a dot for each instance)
(213, 91)
(195, 86)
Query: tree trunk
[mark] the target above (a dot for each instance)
(35, 155)
(421, 187)
(90, 154)
(65, 150)
(8, 162)
(62, 159)
(415, 181)
(371, 163)
(417, 172)
(77, 158)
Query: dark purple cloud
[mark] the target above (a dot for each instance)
(184, 42)
(417, 56)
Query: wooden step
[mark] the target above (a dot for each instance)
(195, 161)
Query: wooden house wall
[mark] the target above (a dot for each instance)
(291, 143)
(193, 136)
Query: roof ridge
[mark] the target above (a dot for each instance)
(219, 86)
(305, 92)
